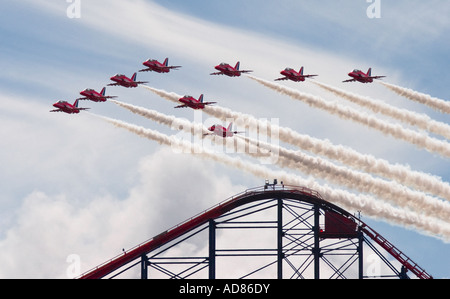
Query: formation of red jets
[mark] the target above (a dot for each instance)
(226, 69)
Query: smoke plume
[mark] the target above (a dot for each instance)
(368, 205)
(435, 103)
(368, 163)
(422, 121)
(420, 140)
(319, 167)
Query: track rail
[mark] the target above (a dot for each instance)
(396, 253)
(259, 193)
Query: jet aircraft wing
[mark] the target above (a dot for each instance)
(377, 77)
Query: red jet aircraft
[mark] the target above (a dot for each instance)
(362, 77)
(64, 106)
(291, 74)
(189, 101)
(156, 66)
(124, 81)
(222, 131)
(95, 96)
(226, 69)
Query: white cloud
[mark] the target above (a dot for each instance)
(49, 228)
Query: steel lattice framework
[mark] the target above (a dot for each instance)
(273, 231)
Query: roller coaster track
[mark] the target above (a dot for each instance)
(250, 195)
(395, 252)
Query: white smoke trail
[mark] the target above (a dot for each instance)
(171, 121)
(420, 120)
(195, 129)
(394, 130)
(319, 167)
(400, 173)
(435, 103)
(363, 182)
(171, 96)
(368, 205)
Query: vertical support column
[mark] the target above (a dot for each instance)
(280, 239)
(360, 254)
(144, 267)
(212, 249)
(316, 249)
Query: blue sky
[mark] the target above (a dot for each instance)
(67, 179)
(408, 33)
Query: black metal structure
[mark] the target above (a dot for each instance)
(273, 231)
